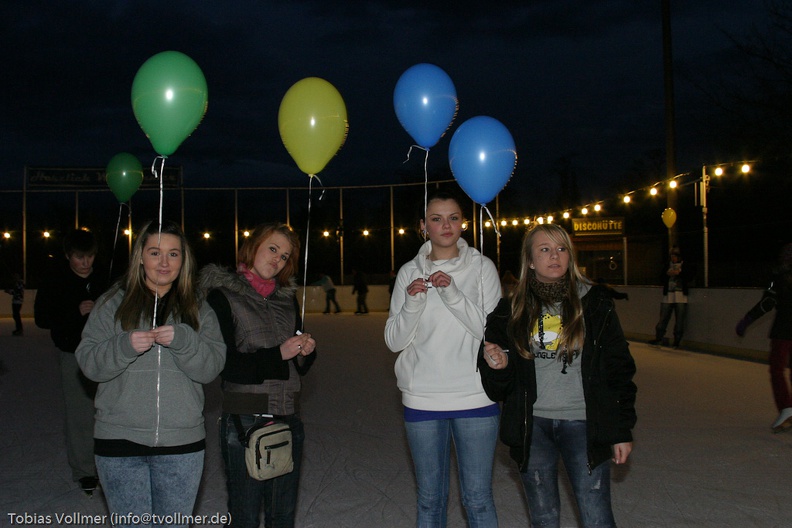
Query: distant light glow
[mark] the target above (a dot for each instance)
(672, 184)
(597, 207)
(627, 199)
(46, 234)
(6, 235)
(515, 222)
(584, 211)
(566, 214)
(313, 122)
(653, 191)
(365, 232)
(169, 94)
(207, 236)
(482, 156)
(401, 230)
(719, 171)
(246, 233)
(325, 233)
(745, 168)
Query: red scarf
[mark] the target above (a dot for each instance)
(264, 286)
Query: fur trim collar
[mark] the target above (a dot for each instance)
(215, 276)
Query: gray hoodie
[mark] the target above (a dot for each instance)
(155, 398)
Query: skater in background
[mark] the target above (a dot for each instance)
(330, 292)
(17, 293)
(360, 287)
(778, 297)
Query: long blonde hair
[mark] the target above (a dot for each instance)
(527, 307)
(138, 302)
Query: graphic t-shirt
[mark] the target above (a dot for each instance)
(559, 385)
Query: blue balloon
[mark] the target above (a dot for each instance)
(426, 103)
(482, 157)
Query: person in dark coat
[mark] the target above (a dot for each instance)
(62, 306)
(556, 356)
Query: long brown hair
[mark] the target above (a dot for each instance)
(527, 307)
(247, 253)
(138, 302)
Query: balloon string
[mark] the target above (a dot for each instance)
(481, 231)
(426, 178)
(115, 241)
(307, 238)
(158, 176)
(426, 185)
(494, 223)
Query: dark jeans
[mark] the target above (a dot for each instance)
(246, 495)
(680, 313)
(330, 298)
(551, 438)
(16, 310)
(361, 303)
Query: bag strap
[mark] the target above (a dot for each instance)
(243, 436)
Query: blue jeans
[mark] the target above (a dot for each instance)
(592, 491)
(680, 314)
(246, 495)
(430, 445)
(162, 485)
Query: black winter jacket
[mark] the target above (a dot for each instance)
(607, 370)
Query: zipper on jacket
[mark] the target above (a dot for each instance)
(159, 380)
(596, 351)
(526, 446)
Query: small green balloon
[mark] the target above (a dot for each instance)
(124, 176)
(169, 99)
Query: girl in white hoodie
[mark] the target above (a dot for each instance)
(437, 314)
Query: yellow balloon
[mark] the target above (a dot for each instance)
(669, 217)
(313, 123)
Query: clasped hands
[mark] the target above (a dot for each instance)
(143, 340)
(437, 279)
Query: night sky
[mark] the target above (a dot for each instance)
(575, 79)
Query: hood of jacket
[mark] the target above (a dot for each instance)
(427, 266)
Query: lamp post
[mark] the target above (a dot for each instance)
(703, 188)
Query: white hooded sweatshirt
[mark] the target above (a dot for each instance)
(439, 332)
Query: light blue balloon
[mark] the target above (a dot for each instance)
(482, 157)
(426, 103)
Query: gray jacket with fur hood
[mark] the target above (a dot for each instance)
(256, 379)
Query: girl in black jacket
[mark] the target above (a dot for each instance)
(556, 356)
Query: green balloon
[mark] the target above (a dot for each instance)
(124, 176)
(169, 98)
